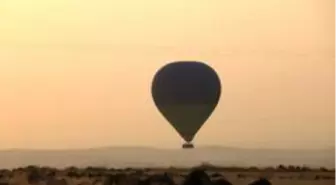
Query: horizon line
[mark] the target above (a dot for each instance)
(158, 148)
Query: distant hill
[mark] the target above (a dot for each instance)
(153, 157)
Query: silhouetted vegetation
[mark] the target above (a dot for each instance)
(279, 168)
(204, 173)
(261, 181)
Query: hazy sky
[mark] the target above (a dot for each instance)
(62, 61)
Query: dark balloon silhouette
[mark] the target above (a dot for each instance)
(186, 93)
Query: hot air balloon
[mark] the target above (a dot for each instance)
(186, 93)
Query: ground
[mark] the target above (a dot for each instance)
(98, 176)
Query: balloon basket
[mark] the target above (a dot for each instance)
(187, 146)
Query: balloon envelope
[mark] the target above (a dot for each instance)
(186, 93)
